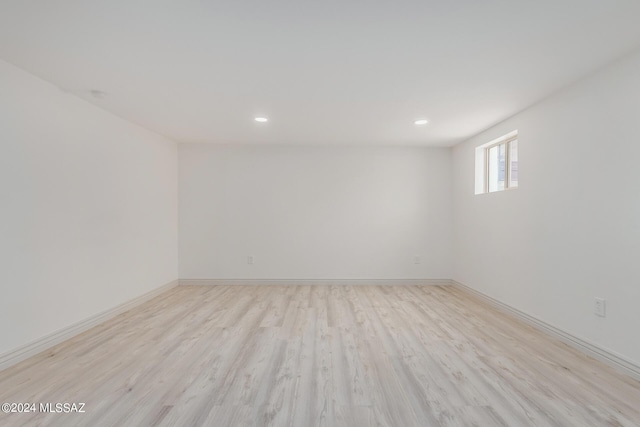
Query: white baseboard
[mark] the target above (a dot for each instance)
(31, 349)
(307, 282)
(604, 355)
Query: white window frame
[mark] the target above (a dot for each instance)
(482, 163)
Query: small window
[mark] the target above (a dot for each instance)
(497, 164)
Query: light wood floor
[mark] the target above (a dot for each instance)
(306, 356)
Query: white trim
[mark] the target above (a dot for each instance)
(307, 282)
(609, 357)
(23, 352)
(504, 138)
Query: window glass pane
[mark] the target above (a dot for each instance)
(513, 157)
(502, 166)
(496, 167)
(492, 169)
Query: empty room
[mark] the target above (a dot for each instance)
(320, 213)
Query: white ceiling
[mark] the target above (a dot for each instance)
(323, 71)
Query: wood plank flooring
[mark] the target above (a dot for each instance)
(319, 356)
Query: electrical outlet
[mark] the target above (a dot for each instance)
(600, 308)
(250, 260)
(417, 260)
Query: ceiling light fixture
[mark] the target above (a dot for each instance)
(261, 119)
(421, 122)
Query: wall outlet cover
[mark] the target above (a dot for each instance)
(600, 308)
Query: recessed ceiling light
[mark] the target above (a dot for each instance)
(261, 119)
(421, 122)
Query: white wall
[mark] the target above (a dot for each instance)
(314, 212)
(571, 231)
(88, 209)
